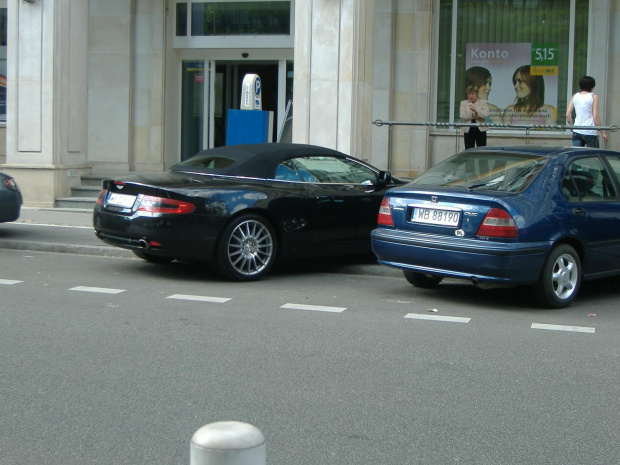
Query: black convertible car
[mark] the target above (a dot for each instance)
(243, 207)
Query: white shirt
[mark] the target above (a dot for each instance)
(583, 104)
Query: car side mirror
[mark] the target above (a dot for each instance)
(385, 177)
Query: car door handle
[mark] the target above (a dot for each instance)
(579, 211)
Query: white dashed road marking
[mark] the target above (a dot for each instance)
(314, 308)
(199, 298)
(101, 290)
(574, 329)
(318, 308)
(451, 319)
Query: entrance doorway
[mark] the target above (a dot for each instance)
(210, 88)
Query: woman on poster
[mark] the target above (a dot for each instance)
(529, 106)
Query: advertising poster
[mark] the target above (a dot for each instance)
(519, 80)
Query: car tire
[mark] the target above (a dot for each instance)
(246, 249)
(151, 258)
(560, 277)
(423, 280)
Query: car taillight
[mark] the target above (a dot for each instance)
(10, 184)
(101, 197)
(152, 204)
(498, 223)
(385, 214)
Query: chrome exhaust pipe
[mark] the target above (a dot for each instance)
(144, 244)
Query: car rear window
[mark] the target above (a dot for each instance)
(206, 163)
(500, 171)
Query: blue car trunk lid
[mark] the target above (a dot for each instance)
(439, 212)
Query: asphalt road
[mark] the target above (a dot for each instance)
(109, 360)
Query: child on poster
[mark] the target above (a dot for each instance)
(480, 77)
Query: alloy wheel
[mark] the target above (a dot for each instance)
(250, 248)
(564, 276)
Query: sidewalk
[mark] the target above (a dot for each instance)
(60, 230)
(71, 231)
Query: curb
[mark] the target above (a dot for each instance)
(114, 252)
(101, 251)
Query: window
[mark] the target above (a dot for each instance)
(205, 163)
(587, 180)
(498, 171)
(614, 162)
(241, 18)
(517, 53)
(226, 24)
(333, 170)
(286, 172)
(181, 26)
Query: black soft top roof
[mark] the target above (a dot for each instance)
(252, 160)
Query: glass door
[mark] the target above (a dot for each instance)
(209, 89)
(228, 82)
(196, 113)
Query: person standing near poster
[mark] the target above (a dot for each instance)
(585, 104)
(480, 77)
(474, 110)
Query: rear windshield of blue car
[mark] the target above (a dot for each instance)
(501, 171)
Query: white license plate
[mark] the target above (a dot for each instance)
(121, 200)
(435, 216)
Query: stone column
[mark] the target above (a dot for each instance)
(46, 111)
(333, 74)
(411, 85)
(110, 84)
(147, 151)
(383, 80)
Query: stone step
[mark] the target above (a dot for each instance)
(92, 180)
(76, 202)
(85, 191)
(85, 195)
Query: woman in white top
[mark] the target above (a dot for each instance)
(585, 104)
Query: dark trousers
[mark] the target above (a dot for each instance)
(584, 140)
(475, 137)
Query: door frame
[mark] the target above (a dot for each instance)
(210, 57)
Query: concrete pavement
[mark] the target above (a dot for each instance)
(46, 230)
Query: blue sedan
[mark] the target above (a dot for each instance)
(545, 217)
(10, 198)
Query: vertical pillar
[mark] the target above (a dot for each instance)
(383, 80)
(408, 50)
(110, 82)
(46, 109)
(333, 74)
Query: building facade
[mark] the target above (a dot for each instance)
(111, 86)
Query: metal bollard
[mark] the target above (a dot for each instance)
(228, 443)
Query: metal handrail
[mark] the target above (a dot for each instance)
(527, 127)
